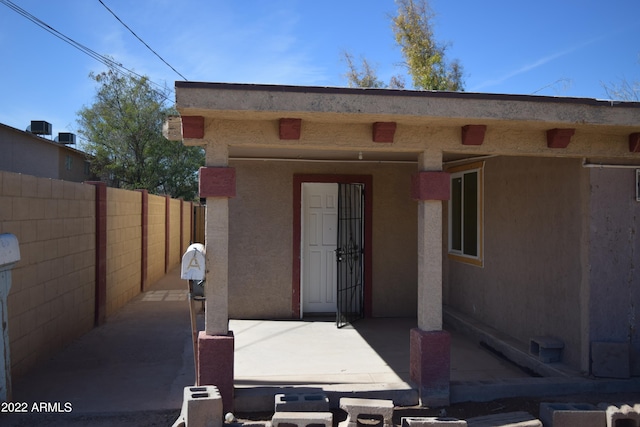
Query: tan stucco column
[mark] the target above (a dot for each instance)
(430, 251)
(216, 343)
(430, 352)
(217, 247)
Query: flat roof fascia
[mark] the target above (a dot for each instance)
(234, 101)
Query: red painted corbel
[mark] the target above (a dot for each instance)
(192, 127)
(559, 138)
(473, 134)
(290, 128)
(634, 142)
(384, 131)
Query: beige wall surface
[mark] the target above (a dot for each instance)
(614, 289)
(261, 233)
(52, 298)
(22, 153)
(29, 154)
(156, 241)
(51, 301)
(124, 242)
(531, 282)
(174, 230)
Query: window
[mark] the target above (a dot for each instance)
(69, 162)
(465, 213)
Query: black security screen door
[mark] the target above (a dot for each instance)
(350, 253)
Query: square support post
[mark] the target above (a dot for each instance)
(216, 342)
(430, 345)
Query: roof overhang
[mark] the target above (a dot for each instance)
(556, 116)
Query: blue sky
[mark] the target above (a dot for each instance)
(545, 47)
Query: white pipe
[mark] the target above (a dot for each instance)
(470, 159)
(270, 159)
(602, 165)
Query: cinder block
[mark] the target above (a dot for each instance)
(432, 422)
(622, 415)
(302, 419)
(547, 349)
(369, 408)
(610, 359)
(202, 406)
(571, 414)
(301, 402)
(508, 419)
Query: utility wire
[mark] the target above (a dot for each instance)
(142, 41)
(90, 52)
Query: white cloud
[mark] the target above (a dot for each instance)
(532, 66)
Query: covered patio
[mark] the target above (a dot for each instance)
(368, 358)
(485, 203)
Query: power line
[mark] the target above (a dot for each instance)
(142, 41)
(84, 49)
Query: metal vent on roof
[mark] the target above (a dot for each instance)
(39, 127)
(66, 138)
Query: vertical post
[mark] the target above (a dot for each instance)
(144, 251)
(167, 233)
(216, 342)
(430, 345)
(100, 313)
(9, 255)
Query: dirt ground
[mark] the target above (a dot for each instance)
(167, 418)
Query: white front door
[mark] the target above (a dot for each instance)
(319, 238)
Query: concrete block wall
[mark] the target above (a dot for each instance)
(187, 226)
(156, 242)
(51, 301)
(53, 295)
(175, 243)
(124, 242)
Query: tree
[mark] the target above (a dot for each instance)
(123, 129)
(424, 57)
(624, 90)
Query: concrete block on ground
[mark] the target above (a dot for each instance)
(571, 414)
(508, 419)
(431, 422)
(366, 408)
(610, 359)
(621, 415)
(202, 406)
(546, 349)
(301, 402)
(302, 419)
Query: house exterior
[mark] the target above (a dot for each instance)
(519, 212)
(28, 153)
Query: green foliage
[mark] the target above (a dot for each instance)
(424, 56)
(124, 132)
(364, 77)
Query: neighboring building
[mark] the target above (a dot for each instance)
(31, 154)
(519, 213)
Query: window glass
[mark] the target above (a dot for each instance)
(465, 213)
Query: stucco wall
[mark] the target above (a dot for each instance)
(124, 240)
(615, 248)
(261, 233)
(28, 154)
(531, 282)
